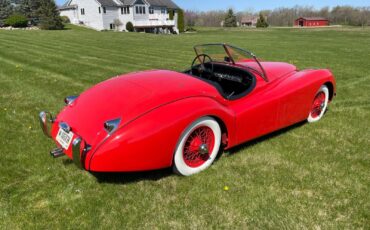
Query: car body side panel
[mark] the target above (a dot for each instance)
(149, 142)
(256, 113)
(277, 104)
(297, 93)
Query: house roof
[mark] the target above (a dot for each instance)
(167, 3)
(160, 3)
(313, 18)
(248, 19)
(108, 3)
(67, 7)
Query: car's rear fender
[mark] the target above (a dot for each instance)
(149, 141)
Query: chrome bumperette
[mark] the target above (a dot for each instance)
(76, 151)
(78, 155)
(46, 120)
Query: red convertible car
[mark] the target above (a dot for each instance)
(159, 118)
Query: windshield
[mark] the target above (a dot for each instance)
(230, 54)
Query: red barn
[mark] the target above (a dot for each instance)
(305, 21)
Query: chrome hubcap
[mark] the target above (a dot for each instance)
(203, 149)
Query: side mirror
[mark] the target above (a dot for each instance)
(227, 59)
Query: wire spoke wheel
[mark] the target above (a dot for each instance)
(319, 105)
(198, 147)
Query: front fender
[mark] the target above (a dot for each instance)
(149, 141)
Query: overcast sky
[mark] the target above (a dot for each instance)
(240, 5)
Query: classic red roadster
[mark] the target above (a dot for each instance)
(159, 118)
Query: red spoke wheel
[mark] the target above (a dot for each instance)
(319, 105)
(198, 147)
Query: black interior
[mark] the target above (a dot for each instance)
(232, 82)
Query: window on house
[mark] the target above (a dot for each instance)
(82, 11)
(140, 9)
(104, 10)
(163, 10)
(99, 10)
(151, 10)
(112, 26)
(125, 10)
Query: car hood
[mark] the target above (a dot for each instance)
(128, 97)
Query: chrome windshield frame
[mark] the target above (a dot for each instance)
(226, 47)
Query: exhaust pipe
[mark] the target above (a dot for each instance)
(57, 152)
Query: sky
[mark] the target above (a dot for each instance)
(241, 5)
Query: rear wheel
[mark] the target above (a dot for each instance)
(198, 147)
(320, 104)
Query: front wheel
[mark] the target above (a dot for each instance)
(320, 104)
(198, 147)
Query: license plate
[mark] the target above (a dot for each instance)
(64, 138)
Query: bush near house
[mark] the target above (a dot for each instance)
(180, 20)
(130, 27)
(17, 20)
(171, 14)
(65, 19)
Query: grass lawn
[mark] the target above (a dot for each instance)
(309, 176)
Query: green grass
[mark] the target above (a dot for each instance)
(309, 176)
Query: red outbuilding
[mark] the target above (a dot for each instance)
(311, 21)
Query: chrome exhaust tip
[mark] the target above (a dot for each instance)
(57, 152)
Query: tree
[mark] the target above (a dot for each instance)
(29, 9)
(230, 19)
(180, 20)
(117, 23)
(6, 9)
(261, 22)
(49, 16)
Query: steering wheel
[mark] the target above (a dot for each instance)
(202, 68)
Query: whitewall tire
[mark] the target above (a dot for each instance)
(197, 147)
(319, 105)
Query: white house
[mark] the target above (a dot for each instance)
(145, 15)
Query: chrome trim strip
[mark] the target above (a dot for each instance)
(46, 120)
